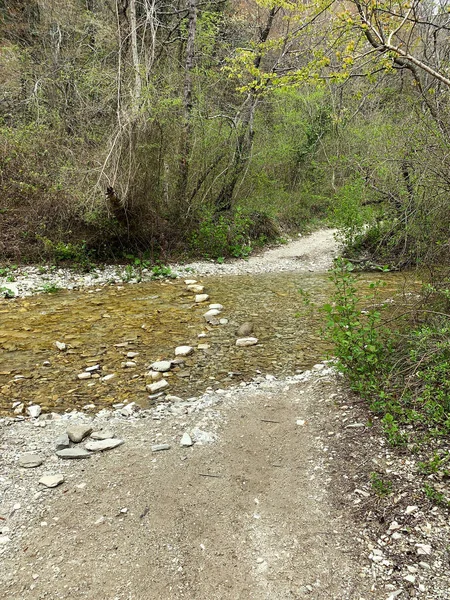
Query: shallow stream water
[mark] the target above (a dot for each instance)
(100, 326)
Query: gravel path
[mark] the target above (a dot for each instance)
(312, 253)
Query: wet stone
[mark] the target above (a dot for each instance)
(158, 386)
(184, 350)
(161, 366)
(201, 298)
(245, 330)
(247, 341)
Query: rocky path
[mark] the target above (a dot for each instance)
(249, 512)
(313, 253)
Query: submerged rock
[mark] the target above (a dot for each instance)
(184, 350)
(245, 329)
(247, 341)
(201, 298)
(161, 366)
(158, 386)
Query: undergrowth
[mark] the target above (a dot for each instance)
(399, 362)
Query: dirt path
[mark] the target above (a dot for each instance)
(250, 516)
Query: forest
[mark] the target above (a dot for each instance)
(209, 128)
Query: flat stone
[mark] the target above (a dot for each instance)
(102, 435)
(247, 341)
(108, 377)
(186, 440)
(216, 307)
(203, 346)
(34, 410)
(211, 314)
(157, 386)
(52, 481)
(107, 444)
(77, 433)
(245, 330)
(160, 447)
(190, 281)
(197, 289)
(84, 375)
(161, 366)
(184, 350)
(155, 375)
(62, 442)
(223, 321)
(61, 346)
(73, 453)
(129, 364)
(132, 354)
(30, 460)
(92, 369)
(201, 298)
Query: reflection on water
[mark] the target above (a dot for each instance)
(154, 318)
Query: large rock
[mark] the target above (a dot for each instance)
(52, 481)
(29, 460)
(73, 453)
(245, 330)
(247, 341)
(161, 366)
(100, 445)
(158, 386)
(77, 433)
(184, 350)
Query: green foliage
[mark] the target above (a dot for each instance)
(360, 342)
(382, 487)
(5, 292)
(50, 288)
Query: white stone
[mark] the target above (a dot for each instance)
(129, 409)
(186, 440)
(52, 481)
(84, 375)
(423, 549)
(108, 377)
(247, 341)
(129, 364)
(161, 366)
(4, 539)
(190, 281)
(216, 307)
(61, 346)
(155, 375)
(211, 314)
(158, 386)
(132, 354)
(92, 369)
(197, 289)
(201, 298)
(34, 410)
(411, 509)
(183, 350)
(100, 445)
(410, 578)
(29, 460)
(203, 346)
(223, 321)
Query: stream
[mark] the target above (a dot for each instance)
(100, 326)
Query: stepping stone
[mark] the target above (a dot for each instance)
(184, 350)
(161, 366)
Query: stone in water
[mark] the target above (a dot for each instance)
(158, 386)
(247, 341)
(201, 298)
(161, 366)
(184, 350)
